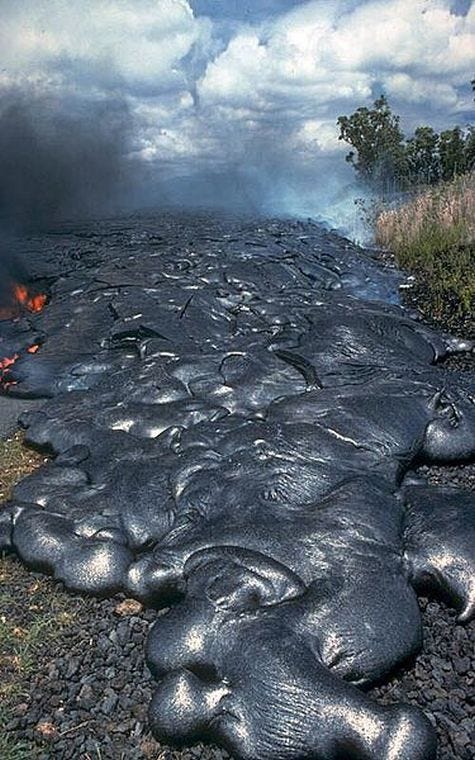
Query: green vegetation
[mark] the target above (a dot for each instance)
(423, 207)
(15, 461)
(377, 137)
(45, 614)
(11, 749)
(32, 612)
(433, 236)
(387, 162)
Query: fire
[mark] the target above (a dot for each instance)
(34, 303)
(5, 365)
(21, 300)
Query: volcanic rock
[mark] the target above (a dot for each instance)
(236, 412)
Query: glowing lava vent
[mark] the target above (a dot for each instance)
(18, 300)
(33, 302)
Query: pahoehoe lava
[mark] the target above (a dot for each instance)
(236, 409)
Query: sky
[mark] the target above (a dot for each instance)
(233, 102)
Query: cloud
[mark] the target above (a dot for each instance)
(320, 54)
(245, 90)
(285, 83)
(142, 42)
(244, 10)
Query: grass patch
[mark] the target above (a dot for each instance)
(29, 616)
(33, 615)
(16, 461)
(33, 612)
(10, 748)
(433, 236)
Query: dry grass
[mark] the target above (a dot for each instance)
(433, 235)
(440, 216)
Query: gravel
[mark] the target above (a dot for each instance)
(88, 696)
(89, 692)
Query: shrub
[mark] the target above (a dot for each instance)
(433, 236)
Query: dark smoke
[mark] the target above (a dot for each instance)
(61, 158)
(11, 271)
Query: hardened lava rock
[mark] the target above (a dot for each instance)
(236, 410)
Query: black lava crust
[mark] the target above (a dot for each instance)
(244, 425)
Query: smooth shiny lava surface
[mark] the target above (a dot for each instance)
(235, 409)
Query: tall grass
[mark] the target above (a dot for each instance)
(433, 236)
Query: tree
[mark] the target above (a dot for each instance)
(470, 149)
(378, 140)
(385, 160)
(422, 154)
(452, 153)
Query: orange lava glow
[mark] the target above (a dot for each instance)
(7, 362)
(21, 300)
(5, 365)
(32, 303)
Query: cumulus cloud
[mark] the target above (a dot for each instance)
(141, 42)
(240, 93)
(319, 57)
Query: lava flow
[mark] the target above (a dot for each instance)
(21, 300)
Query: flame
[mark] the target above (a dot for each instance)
(7, 362)
(33, 303)
(21, 300)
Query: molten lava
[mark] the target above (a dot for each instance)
(33, 303)
(5, 365)
(21, 299)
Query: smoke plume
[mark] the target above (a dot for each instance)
(60, 157)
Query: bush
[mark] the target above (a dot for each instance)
(433, 236)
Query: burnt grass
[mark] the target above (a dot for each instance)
(75, 684)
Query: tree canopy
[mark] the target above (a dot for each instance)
(388, 161)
